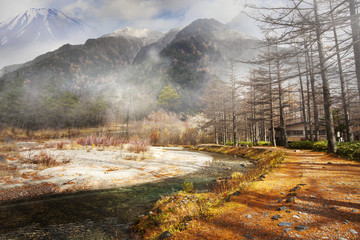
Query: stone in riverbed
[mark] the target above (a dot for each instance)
(248, 216)
(353, 231)
(301, 228)
(285, 224)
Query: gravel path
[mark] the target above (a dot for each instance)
(311, 195)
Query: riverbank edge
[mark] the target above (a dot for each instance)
(173, 213)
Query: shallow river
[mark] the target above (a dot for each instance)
(103, 214)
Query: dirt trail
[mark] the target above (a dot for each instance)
(314, 195)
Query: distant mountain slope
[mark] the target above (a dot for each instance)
(42, 29)
(146, 35)
(74, 64)
(142, 59)
(201, 52)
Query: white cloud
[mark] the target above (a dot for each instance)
(107, 15)
(11, 8)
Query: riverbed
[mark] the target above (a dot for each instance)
(108, 213)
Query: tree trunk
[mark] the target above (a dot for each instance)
(272, 129)
(342, 81)
(282, 119)
(233, 103)
(308, 93)
(356, 39)
(313, 93)
(326, 91)
(302, 100)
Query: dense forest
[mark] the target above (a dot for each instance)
(306, 71)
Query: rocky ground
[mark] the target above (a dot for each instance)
(93, 168)
(311, 195)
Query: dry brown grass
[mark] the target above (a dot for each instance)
(43, 160)
(6, 170)
(8, 134)
(8, 147)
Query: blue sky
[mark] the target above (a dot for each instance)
(108, 15)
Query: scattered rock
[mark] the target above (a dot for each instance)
(286, 230)
(247, 236)
(353, 231)
(292, 195)
(301, 228)
(329, 163)
(290, 199)
(347, 198)
(248, 216)
(165, 235)
(237, 193)
(276, 217)
(282, 208)
(296, 216)
(262, 176)
(355, 210)
(288, 211)
(295, 189)
(282, 193)
(340, 238)
(297, 151)
(285, 224)
(280, 200)
(346, 222)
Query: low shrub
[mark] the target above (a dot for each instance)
(264, 143)
(349, 150)
(94, 140)
(321, 146)
(301, 145)
(138, 145)
(244, 143)
(44, 160)
(188, 187)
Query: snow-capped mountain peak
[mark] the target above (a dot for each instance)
(39, 30)
(147, 35)
(39, 24)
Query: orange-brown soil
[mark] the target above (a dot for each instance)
(326, 200)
